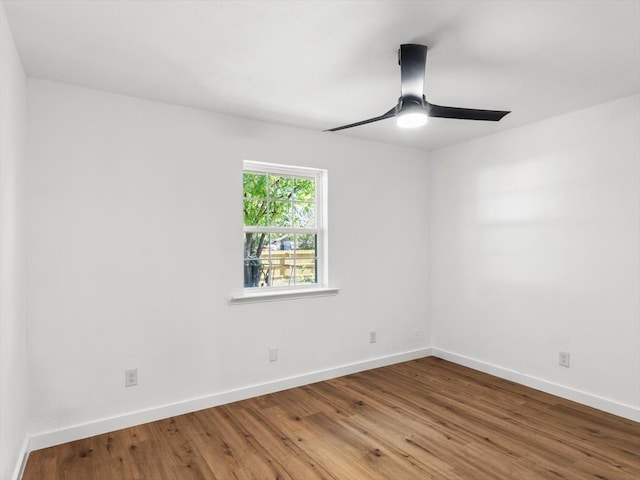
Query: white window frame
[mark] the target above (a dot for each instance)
(321, 288)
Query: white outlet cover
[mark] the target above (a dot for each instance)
(564, 359)
(131, 378)
(273, 354)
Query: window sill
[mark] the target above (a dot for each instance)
(283, 295)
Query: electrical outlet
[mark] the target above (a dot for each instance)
(416, 336)
(131, 378)
(564, 359)
(373, 337)
(273, 354)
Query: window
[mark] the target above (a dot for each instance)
(284, 234)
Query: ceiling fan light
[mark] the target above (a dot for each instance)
(412, 119)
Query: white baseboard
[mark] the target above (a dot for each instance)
(22, 460)
(76, 432)
(607, 405)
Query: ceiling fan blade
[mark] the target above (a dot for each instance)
(412, 60)
(465, 113)
(389, 114)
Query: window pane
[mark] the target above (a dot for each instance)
(255, 185)
(304, 189)
(282, 266)
(256, 244)
(255, 213)
(305, 268)
(306, 242)
(253, 273)
(280, 213)
(256, 259)
(282, 242)
(279, 260)
(305, 271)
(280, 188)
(304, 214)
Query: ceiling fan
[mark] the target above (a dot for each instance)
(413, 109)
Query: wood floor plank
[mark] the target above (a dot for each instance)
(424, 419)
(122, 454)
(282, 448)
(243, 459)
(317, 437)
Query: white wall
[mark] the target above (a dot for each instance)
(13, 318)
(135, 235)
(534, 237)
(134, 246)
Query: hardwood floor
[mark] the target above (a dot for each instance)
(425, 419)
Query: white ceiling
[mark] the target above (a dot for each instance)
(321, 64)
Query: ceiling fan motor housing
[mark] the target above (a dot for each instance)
(412, 59)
